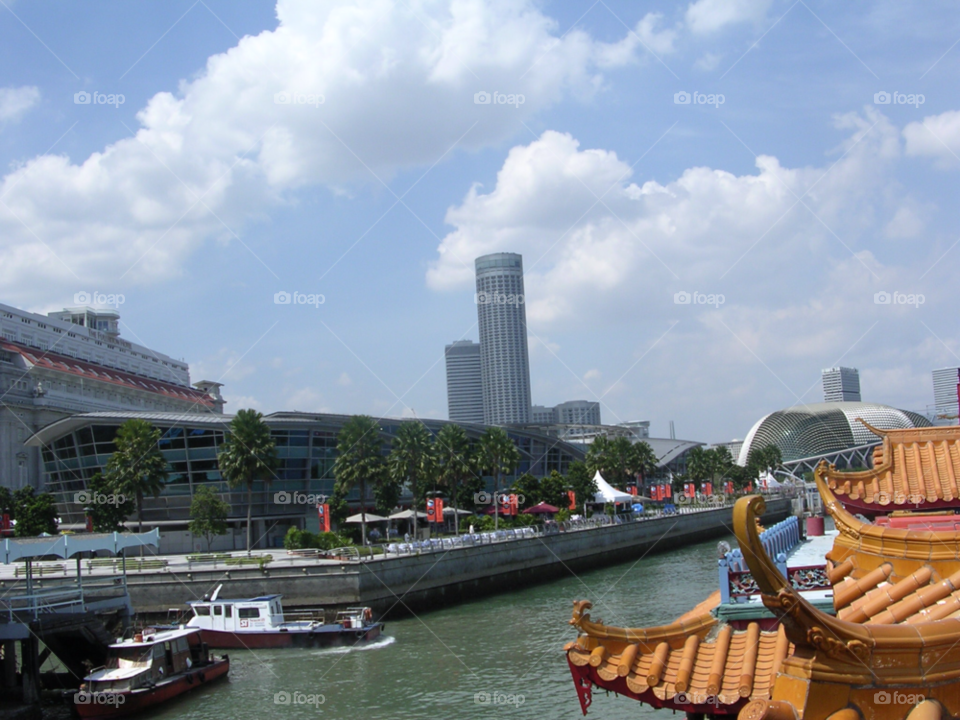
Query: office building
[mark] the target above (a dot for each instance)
(464, 382)
(841, 384)
(504, 362)
(574, 412)
(74, 361)
(945, 393)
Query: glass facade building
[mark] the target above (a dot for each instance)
(78, 447)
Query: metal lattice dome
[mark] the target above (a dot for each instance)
(809, 430)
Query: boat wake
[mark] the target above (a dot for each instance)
(378, 644)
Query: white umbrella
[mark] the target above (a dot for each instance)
(406, 515)
(450, 511)
(355, 519)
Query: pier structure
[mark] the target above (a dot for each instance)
(58, 610)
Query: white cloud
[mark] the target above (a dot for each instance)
(709, 16)
(937, 136)
(643, 243)
(222, 149)
(15, 102)
(344, 380)
(906, 223)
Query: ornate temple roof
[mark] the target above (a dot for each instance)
(897, 630)
(917, 468)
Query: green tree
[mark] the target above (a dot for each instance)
(412, 461)
(528, 486)
(35, 513)
(359, 462)
(386, 495)
(137, 467)
(248, 454)
(580, 480)
(500, 457)
(455, 464)
(208, 514)
(765, 459)
(106, 516)
(553, 490)
(645, 460)
(598, 456)
(698, 464)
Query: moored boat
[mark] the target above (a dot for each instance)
(152, 667)
(260, 623)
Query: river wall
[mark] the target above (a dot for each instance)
(399, 585)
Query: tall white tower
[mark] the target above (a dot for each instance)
(504, 363)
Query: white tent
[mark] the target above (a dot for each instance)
(606, 493)
(406, 515)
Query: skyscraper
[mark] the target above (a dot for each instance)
(464, 383)
(504, 363)
(841, 384)
(945, 391)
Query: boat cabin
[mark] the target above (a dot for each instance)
(146, 659)
(259, 614)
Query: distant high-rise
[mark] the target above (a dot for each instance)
(504, 363)
(574, 412)
(841, 384)
(464, 383)
(945, 391)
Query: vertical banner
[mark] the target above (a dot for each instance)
(323, 513)
(514, 505)
(632, 489)
(668, 490)
(88, 518)
(438, 509)
(708, 489)
(572, 497)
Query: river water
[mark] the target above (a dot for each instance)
(497, 657)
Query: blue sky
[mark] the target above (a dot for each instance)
(783, 208)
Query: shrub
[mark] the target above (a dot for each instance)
(297, 539)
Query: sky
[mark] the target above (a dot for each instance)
(714, 199)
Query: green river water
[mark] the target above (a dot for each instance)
(497, 657)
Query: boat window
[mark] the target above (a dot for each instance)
(229, 610)
(130, 658)
(251, 612)
(201, 609)
(182, 645)
(218, 609)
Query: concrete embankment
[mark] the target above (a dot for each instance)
(439, 578)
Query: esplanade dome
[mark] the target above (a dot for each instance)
(809, 430)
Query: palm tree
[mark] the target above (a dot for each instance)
(248, 454)
(598, 456)
(500, 456)
(359, 461)
(413, 460)
(455, 463)
(137, 466)
(645, 460)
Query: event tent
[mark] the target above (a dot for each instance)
(606, 493)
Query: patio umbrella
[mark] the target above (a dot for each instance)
(355, 519)
(542, 509)
(406, 515)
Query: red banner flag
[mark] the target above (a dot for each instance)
(514, 505)
(572, 497)
(632, 489)
(668, 490)
(323, 513)
(435, 510)
(708, 489)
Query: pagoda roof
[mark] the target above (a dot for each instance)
(912, 468)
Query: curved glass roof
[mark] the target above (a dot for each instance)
(809, 430)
